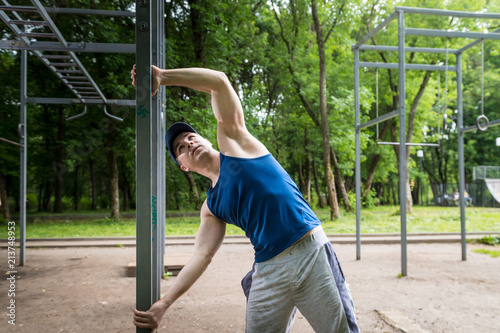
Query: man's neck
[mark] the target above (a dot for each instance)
(213, 169)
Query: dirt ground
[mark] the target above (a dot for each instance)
(86, 290)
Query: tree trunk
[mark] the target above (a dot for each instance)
(196, 13)
(380, 193)
(113, 171)
(93, 189)
(125, 193)
(307, 179)
(330, 180)
(301, 179)
(58, 164)
(47, 194)
(4, 198)
(340, 181)
(193, 189)
(321, 199)
(75, 191)
(373, 164)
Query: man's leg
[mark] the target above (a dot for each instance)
(269, 305)
(316, 294)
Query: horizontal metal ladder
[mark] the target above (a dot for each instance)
(35, 24)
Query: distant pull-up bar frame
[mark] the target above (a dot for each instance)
(402, 66)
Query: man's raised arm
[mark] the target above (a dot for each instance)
(225, 102)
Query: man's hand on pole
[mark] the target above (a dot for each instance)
(151, 318)
(155, 78)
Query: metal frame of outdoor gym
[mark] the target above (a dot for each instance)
(150, 121)
(399, 13)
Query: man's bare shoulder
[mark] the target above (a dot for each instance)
(240, 144)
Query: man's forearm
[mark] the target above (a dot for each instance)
(187, 277)
(201, 79)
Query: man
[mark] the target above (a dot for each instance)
(295, 265)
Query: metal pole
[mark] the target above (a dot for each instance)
(461, 172)
(145, 201)
(402, 139)
(358, 155)
(421, 182)
(157, 138)
(23, 160)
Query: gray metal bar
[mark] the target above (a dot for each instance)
(74, 11)
(48, 100)
(466, 47)
(23, 159)
(407, 49)
(75, 47)
(11, 142)
(26, 9)
(409, 144)
(55, 56)
(146, 203)
(374, 31)
(27, 22)
(461, 173)
(38, 34)
(62, 64)
(442, 12)
(408, 66)
(358, 154)
(402, 140)
(452, 34)
(380, 119)
(93, 12)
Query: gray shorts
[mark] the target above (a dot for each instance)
(306, 276)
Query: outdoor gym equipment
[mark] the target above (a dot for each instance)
(150, 156)
(402, 66)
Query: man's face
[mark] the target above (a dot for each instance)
(190, 150)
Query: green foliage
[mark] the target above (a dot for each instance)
(489, 240)
(269, 52)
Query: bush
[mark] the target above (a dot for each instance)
(489, 240)
(370, 200)
(85, 204)
(103, 202)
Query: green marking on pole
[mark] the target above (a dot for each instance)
(154, 215)
(142, 112)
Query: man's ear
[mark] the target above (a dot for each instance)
(184, 168)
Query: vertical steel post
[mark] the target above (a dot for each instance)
(421, 185)
(23, 160)
(461, 174)
(157, 188)
(402, 138)
(358, 154)
(145, 202)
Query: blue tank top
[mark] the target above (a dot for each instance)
(258, 195)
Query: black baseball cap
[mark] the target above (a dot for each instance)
(173, 131)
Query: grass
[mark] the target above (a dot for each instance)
(383, 219)
(493, 253)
